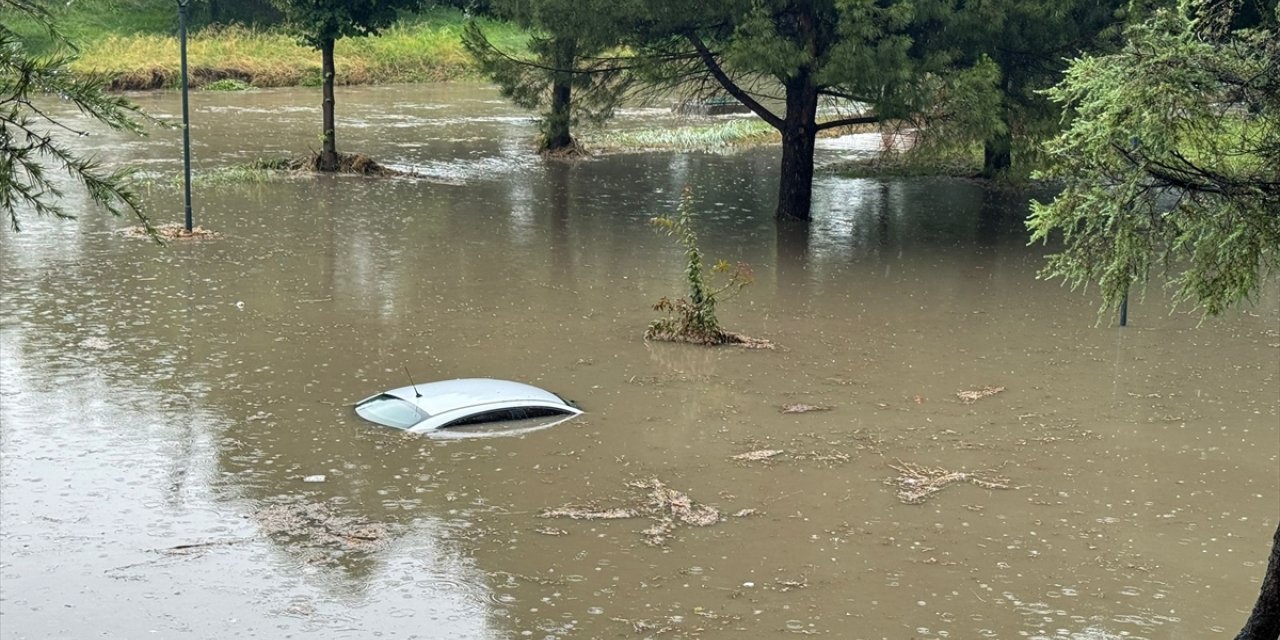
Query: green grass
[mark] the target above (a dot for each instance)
(717, 136)
(257, 172)
(135, 42)
(90, 20)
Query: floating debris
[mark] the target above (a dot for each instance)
(315, 478)
(818, 456)
(664, 505)
(578, 512)
(320, 527)
(172, 231)
(784, 585)
(551, 531)
(743, 513)
(831, 456)
(660, 532)
(748, 342)
(199, 547)
(761, 454)
(973, 395)
(804, 408)
(667, 500)
(918, 483)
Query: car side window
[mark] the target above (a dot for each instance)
(506, 415)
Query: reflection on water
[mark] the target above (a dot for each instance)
(164, 413)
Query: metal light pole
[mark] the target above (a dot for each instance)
(186, 116)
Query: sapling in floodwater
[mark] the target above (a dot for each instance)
(693, 318)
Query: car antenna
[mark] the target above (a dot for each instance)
(416, 393)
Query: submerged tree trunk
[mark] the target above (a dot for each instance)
(328, 160)
(997, 149)
(997, 155)
(556, 134)
(799, 131)
(1264, 622)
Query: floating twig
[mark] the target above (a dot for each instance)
(803, 408)
(759, 454)
(918, 483)
(664, 505)
(973, 395)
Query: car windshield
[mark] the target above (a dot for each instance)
(391, 411)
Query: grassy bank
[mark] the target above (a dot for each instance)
(717, 136)
(135, 42)
(86, 21)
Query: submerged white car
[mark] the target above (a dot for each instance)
(465, 401)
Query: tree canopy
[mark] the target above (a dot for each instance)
(564, 77)
(316, 21)
(784, 59)
(1029, 43)
(1172, 160)
(29, 144)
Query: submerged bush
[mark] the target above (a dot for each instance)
(693, 318)
(228, 84)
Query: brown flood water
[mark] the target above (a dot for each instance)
(161, 407)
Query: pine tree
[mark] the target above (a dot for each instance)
(1029, 42)
(1172, 160)
(29, 136)
(855, 56)
(563, 73)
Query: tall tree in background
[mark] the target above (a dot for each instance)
(1172, 159)
(320, 23)
(1030, 42)
(28, 144)
(802, 54)
(563, 77)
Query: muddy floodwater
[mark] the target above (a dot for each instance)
(977, 456)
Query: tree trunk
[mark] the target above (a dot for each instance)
(556, 134)
(795, 185)
(1264, 622)
(792, 240)
(997, 155)
(328, 160)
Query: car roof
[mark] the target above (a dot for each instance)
(449, 395)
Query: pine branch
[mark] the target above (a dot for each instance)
(713, 65)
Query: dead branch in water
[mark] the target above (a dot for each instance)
(803, 408)
(664, 505)
(973, 395)
(917, 483)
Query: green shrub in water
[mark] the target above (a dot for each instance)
(228, 84)
(693, 318)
